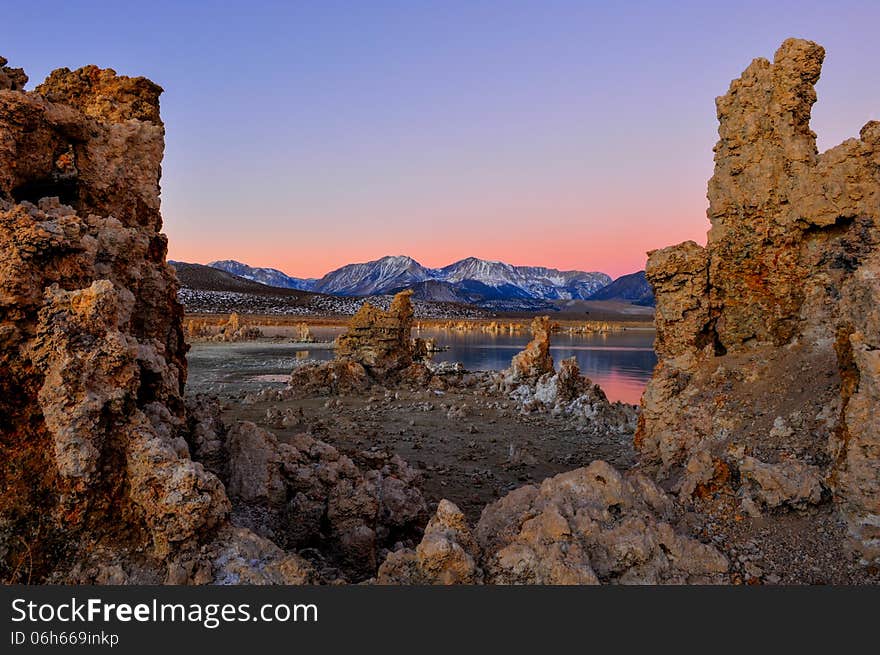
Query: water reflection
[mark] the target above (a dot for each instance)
(620, 362)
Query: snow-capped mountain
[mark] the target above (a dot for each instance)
(479, 278)
(474, 281)
(269, 276)
(534, 281)
(376, 277)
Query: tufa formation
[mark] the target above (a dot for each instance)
(376, 349)
(535, 360)
(379, 340)
(764, 399)
(768, 383)
(107, 476)
(588, 526)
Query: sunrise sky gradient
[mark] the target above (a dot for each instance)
(578, 135)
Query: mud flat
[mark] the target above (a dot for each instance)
(470, 447)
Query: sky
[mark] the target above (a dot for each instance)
(577, 135)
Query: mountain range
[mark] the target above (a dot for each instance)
(269, 276)
(489, 284)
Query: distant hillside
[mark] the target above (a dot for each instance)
(204, 278)
(633, 288)
(268, 276)
(206, 290)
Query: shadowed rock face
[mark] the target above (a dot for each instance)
(91, 348)
(12, 79)
(776, 319)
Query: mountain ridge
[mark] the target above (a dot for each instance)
(269, 276)
(633, 287)
(472, 280)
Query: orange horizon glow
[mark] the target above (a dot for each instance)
(314, 262)
(312, 251)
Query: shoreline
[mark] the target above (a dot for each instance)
(342, 321)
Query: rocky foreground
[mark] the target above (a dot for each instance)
(757, 440)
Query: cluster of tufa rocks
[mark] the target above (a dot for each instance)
(589, 526)
(380, 340)
(234, 329)
(377, 349)
(533, 384)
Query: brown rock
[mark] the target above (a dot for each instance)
(419, 349)
(569, 382)
(235, 329)
(447, 554)
(97, 484)
(307, 494)
(91, 345)
(589, 526)
(329, 378)
(379, 340)
(777, 315)
(535, 360)
(103, 95)
(790, 483)
(303, 333)
(242, 557)
(680, 277)
(12, 79)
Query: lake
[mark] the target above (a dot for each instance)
(620, 362)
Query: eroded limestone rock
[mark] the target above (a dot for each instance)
(378, 340)
(570, 394)
(447, 554)
(305, 493)
(790, 483)
(97, 483)
(589, 526)
(12, 79)
(535, 360)
(376, 349)
(235, 329)
(777, 315)
(329, 378)
(91, 346)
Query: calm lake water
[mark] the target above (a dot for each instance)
(620, 362)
